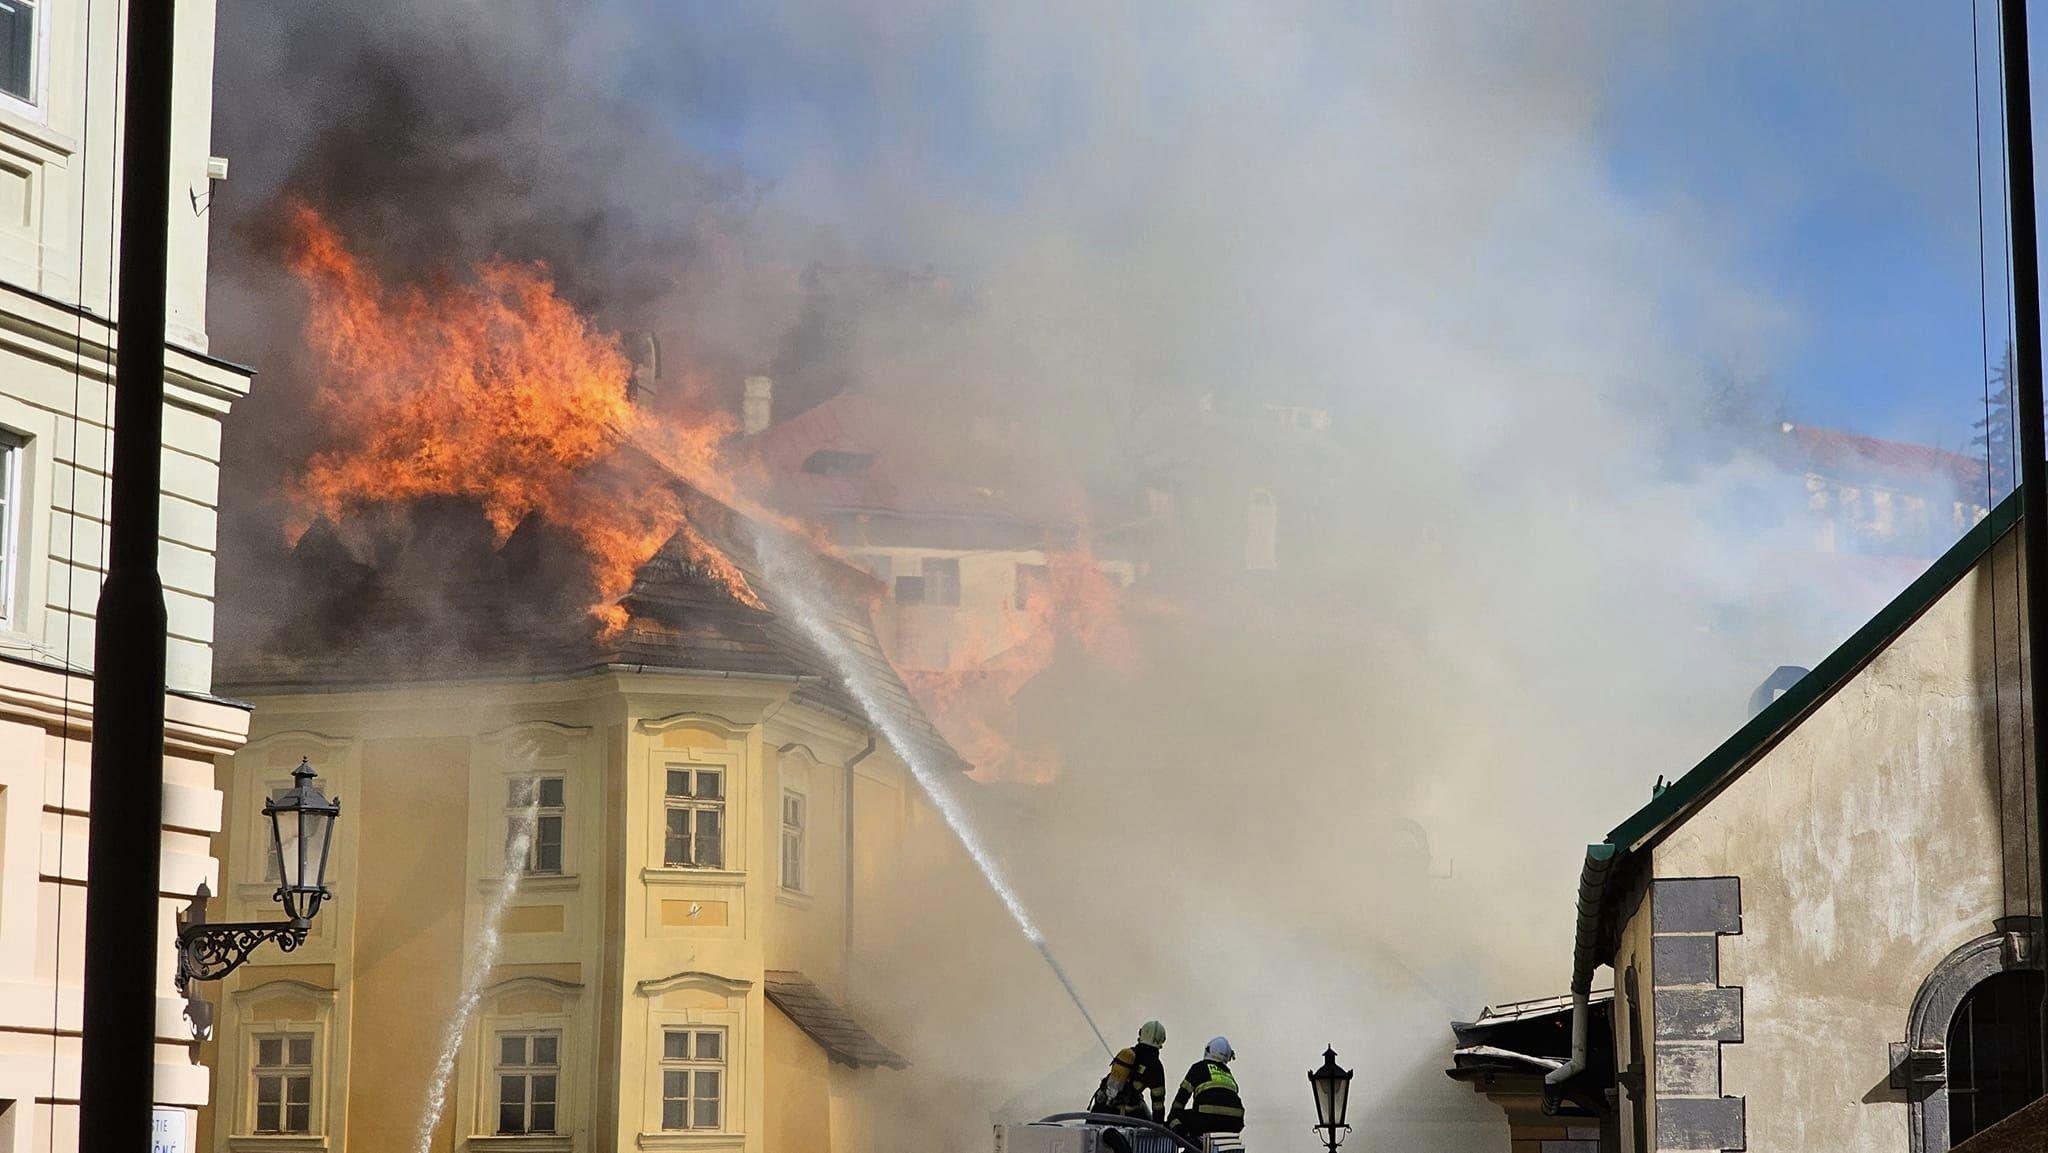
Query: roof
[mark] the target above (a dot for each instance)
(1750, 742)
(1528, 1038)
(856, 453)
(1888, 463)
(430, 596)
(825, 1022)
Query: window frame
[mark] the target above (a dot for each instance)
(525, 1071)
(695, 804)
(515, 809)
(286, 1072)
(37, 108)
(13, 448)
(797, 835)
(693, 1068)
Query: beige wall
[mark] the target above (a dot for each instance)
(45, 785)
(1867, 847)
(609, 953)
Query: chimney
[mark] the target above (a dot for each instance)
(757, 408)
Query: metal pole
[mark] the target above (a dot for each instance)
(117, 1058)
(2026, 303)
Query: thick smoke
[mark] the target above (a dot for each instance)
(1521, 572)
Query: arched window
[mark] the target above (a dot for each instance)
(1994, 1052)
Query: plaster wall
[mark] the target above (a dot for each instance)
(1884, 831)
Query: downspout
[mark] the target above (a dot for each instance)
(2026, 302)
(846, 839)
(1585, 954)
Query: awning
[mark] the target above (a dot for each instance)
(825, 1022)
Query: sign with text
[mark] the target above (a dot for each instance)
(167, 1129)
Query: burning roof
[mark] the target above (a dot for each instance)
(425, 594)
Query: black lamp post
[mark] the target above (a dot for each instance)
(301, 826)
(1332, 1089)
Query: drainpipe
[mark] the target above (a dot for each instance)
(1585, 955)
(846, 807)
(2026, 302)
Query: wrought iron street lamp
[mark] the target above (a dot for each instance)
(301, 828)
(1332, 1088)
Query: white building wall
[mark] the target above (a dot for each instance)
(58, 208)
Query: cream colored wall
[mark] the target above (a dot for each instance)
(1866, 843)
(799, 1114)
(57, 208)
(981, 626)
(609, 953)
(45, 785)
(1634, 950)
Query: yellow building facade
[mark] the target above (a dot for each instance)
(670, 967)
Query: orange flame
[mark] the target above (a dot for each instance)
(497, 390)
(1072, 598)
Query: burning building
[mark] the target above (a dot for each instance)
(643, 854)
(58, 131)
(983, 555)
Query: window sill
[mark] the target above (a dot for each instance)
(533, 883)
(795, 898)
(523, 1142)
(17, 119)
(670, 876)
(679, 1139)
(279, 1142)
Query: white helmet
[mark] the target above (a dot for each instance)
(1152, 1033)
(1219, 1050)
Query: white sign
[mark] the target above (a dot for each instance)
(167, 1129)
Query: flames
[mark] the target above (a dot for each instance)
(1072, 603)
(497, 390)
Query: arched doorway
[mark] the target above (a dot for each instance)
(1994, 1052)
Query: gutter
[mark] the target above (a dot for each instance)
(846, 817)
(1593, 876)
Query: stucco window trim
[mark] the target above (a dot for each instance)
(728, 878)
(570, 1064)
(523, 1143)
(533, 883)
(1919, 1063)
(726, 1139)
(277, 1142)
(235, 1080)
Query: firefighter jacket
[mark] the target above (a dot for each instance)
(1207, 1101)
(1134, 1074)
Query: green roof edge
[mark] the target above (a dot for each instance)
(1777, 718)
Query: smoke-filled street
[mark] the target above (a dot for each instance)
(988, 578)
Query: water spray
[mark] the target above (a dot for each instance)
(480, 961)
(794, 592)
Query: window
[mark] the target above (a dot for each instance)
(529, 1070)
(910, 590)
(941, 580)
(284, 1083)
(11, 451)
(696, 819)
(20, 45)
(1994, 1052)
(793, 841)
(545, 797)
(692, 1078)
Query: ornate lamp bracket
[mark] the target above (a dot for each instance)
(208, 952)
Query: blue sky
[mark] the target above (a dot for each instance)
(1827, 143)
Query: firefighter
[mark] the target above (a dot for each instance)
(1134, 1074)
(1208, 1100)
